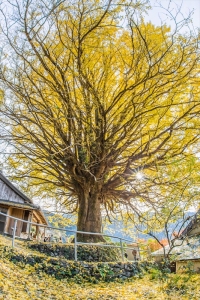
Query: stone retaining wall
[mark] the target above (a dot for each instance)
(84, 252)
(83, 271)
(79, 271)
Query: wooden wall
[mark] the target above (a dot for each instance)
(17, 213)
(9, 211)
(6, 193)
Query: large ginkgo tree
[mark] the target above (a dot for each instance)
(98, 103)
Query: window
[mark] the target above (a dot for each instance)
(2, 219)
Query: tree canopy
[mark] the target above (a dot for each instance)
(93, 95)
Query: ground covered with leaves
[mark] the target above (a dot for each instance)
(25, 282)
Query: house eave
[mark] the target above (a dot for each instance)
(25, 206)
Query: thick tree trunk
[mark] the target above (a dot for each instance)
(89, 217)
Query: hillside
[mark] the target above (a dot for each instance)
(118, 227)
(19, 280)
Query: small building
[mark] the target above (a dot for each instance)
(186, 249)
(189, 253)
(189, 256)
(15, 204)
(133, 252)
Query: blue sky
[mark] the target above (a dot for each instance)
(158, 14)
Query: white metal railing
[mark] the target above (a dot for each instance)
(75, 233)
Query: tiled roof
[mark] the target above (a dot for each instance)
(195, 221)
(190, 249)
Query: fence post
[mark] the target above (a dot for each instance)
(29, 224)
(75, 246)
(139, 252)
(14, 231)
(122, 249)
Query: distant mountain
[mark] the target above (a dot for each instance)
(116, 228)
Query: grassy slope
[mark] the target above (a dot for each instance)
(26, 283)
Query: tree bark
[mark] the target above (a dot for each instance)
(89, 217)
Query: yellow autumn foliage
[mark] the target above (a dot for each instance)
(99, 94)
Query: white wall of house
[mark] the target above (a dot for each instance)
(183, 264)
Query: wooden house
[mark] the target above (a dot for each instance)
(15, 204)
(186, 250)
(189, 252)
